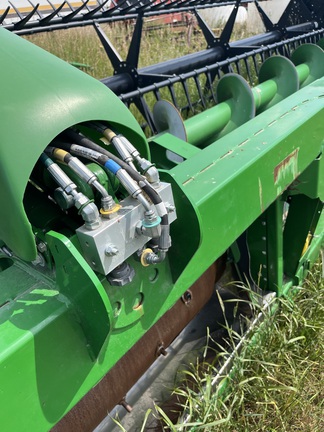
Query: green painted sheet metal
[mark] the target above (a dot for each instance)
(43, 96)
(311, 181)
(44, 374)
(46, 352)
(77, 282)
(62, 330)
(253, 167)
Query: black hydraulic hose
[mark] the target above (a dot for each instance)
(147, 188)
(148, 256)
(68, 147)
(102, 161)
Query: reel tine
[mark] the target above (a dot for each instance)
(74, 12)
(3, 16)
(20, 24)
(200, 92)
(95, 10)
(248, 70)
(173, 96)
(210, 86)
(157, 94)
(186, 91)
(55, 13)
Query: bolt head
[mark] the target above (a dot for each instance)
(42, 247)
(111, 250)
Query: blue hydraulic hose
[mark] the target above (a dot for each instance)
(112, 166)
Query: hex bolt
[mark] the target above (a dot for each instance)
(39, 261)
(126, 405)
(169, 207)
(6, 251)
(111, 250)
(161, 350)
(42, 247)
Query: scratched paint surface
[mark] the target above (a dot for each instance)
(286, 170)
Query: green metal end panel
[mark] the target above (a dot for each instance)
(42, 96)
(76, 281)
(41, 344)
(51, 331)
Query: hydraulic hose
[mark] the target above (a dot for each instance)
(111, 137)
(107, 203)
(164, 240)
(143, 183)
(127, 152)
(127, 181)
(87, 209)
(151, 219)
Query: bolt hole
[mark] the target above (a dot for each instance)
(5, 263)
(138, 301)
(117, 308)
(153, 277)
(187, 297)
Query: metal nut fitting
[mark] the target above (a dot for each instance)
(41, 246)
(80, 200)
(121, 275)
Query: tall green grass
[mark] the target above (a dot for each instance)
(277, 383)
(82, 45)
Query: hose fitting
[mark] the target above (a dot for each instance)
(87, 209)
(148, 257)
(108, 206)
(150, 226)
(149, 170)
(117, 142)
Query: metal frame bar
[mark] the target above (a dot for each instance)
(124, 10)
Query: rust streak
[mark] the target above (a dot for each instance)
(286, 166)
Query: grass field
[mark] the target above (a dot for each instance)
(82, 45)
